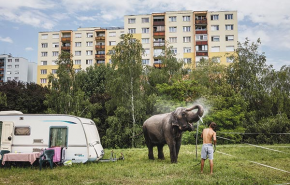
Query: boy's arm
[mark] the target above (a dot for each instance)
(214, 138)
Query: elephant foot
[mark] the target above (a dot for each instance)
(161, 158)
(151, 157)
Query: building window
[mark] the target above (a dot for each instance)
(44, 45)
(43, 80)
(187, 50)
(215, 49)
(53, 62)
(16, 72)
(112, 34)
(78, 53)
(200, 28)
(8, 78)
(9, 60)
(145, 61)
(229, 60)
(132, 30)
(145, 30)
(215, 38)
(229, 38)
(172, 19)
(55, 36)
(201, 48)
(216, 59)
(229, 27)
(146, 51)
(78, 35)
(9, 66)
(78, 44)
(186, 18)
(157, 52)
(16, 78)
(89, 52)
(89, 62)
(16, 66)
(9, 72)
(145, 40)
(230, 48)
(214, 27)
(112, 43)
(43, 71)
(145, 20)
(186, 28)
(44, 54)
(173, 50)
(55, 53)
(44, 36)
(214, 17)
(172, 39)
(90, 35)
(53, 71)
(187, 60)
(90, 43)
(43, 63)
(78, 62)
(55, 45)
(186, 39)
(172, 29)
(131, 21)
(229, 16)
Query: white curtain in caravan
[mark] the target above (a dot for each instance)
(58, 137)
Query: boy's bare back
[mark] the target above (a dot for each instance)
(207, 135)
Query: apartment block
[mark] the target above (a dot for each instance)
(16, 68)
(193, 35)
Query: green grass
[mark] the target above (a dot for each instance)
(138, 169)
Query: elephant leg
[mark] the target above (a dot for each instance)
(150, 152)
(160, 152)
(172, 148)
(178, 144)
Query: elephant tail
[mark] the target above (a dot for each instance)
(137, 135)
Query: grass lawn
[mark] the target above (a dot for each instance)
(233, 164)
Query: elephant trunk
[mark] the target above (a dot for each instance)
(194, 117)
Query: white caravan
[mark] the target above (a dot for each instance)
(27, 133)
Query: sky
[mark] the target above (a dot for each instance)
(22, 20)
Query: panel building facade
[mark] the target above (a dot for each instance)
(193, 35)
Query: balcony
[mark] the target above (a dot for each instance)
(100, 38)
(159, 33)
(65, 39)
(201, 21)
(200, 31)
(65, 48)
(159, 43)
(1, 69)
(1, 81)
(1, 75)
(100, 56)
(1, 63)
(201, 53)
(201, 42)
(100, 47)
(159, 23)
(158, 65)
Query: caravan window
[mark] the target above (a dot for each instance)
(58, 137)
(22, 131)
(0, 131)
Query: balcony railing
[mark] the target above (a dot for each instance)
(159, 33)
(159, 44)
(1, 81)
(65, 48)
(158, 65)
(158, 23)
(100, 38)
(1, 75)
(98, 56)
(200, 31)
(1, 69)
(1, 63)
(201, 53)
(200, 21)
(65, 39)
(201, 42)
(100, 46)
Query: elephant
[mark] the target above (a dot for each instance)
(167, 129)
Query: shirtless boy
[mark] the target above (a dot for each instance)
(207, 150)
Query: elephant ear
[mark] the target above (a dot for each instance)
(173, 119)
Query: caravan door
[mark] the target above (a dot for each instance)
(6, 137)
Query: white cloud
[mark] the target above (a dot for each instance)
(6, 39)
(28, 49)
(278, 63)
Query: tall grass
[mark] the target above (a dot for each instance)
(235, 168)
